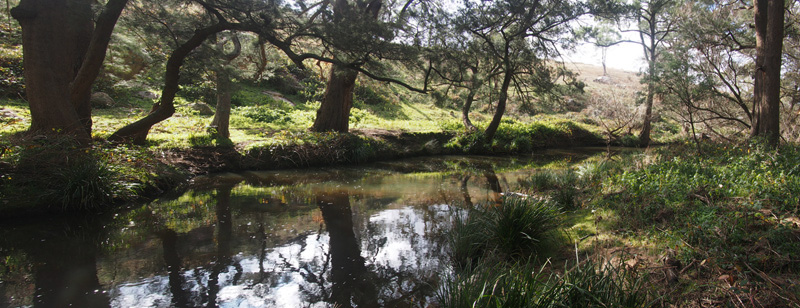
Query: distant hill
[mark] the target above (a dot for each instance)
(589, 74)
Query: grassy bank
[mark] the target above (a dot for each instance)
(103, 174)
(678, 226)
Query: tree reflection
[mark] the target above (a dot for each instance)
(65, 270)
(465, 190)
(224, 252)
(348, 269)
(169, 244)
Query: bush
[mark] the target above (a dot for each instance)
(55, 174)
(516, 137)
(264, 114)
(12, 79)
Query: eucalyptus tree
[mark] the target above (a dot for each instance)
(59, 80)
(520, 36)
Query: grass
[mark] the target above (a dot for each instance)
(526, 285)
(55, 175)
(715, 225)
(726, 214)
(514, 228)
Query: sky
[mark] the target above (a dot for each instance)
(623, 56)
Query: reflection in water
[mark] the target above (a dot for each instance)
(169, 240)
(71, 279)
(348, 268)
(344, 237)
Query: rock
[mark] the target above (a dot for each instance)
(8, 116)
(278, 97)
(202, 108)
(604, 80)
(147, 94)
(101, 100)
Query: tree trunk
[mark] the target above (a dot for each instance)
(49, 70)
(222, 115)
(474, 86)
(769, 46)
(92, 60)
(644, 136)
(501, 106)
(334, 112)
(59, 80)
(136, 132)
(465, 110)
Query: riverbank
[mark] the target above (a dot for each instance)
(42, 176)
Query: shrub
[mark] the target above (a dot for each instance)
(264, 114)
(12, 79)
(516, 137)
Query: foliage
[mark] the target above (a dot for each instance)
(12, 81)
(305, 149)
(264, 114)
(525, 285)
(517, 137)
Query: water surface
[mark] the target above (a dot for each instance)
(369, 236)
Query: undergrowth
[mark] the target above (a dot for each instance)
(513, 136)
(726, 211)
(56, 174)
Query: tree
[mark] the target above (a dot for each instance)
(221, 121)
(706, 66)
(226, 17)
(654, 26)
(766, 92)
(520, 36)
(355, 35)
(460, 62)
(59, 80)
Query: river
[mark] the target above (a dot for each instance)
(358, 236)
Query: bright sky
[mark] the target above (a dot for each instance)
(624, 56)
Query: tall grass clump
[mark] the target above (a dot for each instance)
(56, 174)
(562, 186)
(515, 228)
(526, 285)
